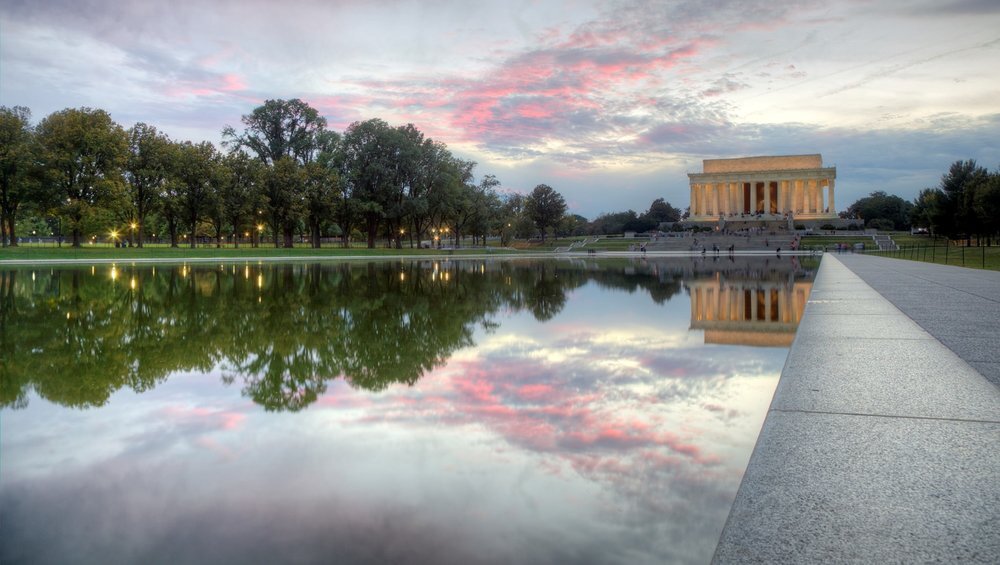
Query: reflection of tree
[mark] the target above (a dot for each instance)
(546, 297)
(77, 336)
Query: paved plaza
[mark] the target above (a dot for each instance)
(882, 442)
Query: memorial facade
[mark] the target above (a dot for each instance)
(763, 188)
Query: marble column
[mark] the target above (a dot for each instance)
(833, 209)
(767, 197)
(694, 199)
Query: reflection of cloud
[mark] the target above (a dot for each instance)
(646, 415)
(177, 426)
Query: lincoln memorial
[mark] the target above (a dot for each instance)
(782, 187)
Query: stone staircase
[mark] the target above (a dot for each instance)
(760, 242)
(884, 242)
(576, 245)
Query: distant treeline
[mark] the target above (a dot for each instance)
(77, 175)
(965, 205)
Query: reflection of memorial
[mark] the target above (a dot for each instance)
(763, 312)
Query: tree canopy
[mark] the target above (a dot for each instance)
(545, 207)
(284, 175)
(965, 204)
(881, 206)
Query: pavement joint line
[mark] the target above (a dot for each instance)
(893, 416)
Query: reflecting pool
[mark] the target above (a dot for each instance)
(474, 411)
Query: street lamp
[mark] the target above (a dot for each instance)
(133, 226)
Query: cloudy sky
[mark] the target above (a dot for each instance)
(609, 102)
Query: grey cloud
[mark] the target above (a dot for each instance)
(936, 8)
(901, 161)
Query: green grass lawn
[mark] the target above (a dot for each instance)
(926, 250)
(29, 252)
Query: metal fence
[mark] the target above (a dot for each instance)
(961, 256)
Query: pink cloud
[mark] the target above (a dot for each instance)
(214, 85)
(536, 392)
(566, 90)
(205, 418)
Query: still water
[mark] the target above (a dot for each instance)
(587, 411)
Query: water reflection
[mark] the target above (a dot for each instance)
(282, 331)
(748, 302)
(458, 412)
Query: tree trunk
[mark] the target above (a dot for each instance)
(372, 231)
(315, 235)
(289, 237)
(12, 230)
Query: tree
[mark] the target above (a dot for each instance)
(471, 206)
(616, 223)
(927, 210)
(573, 224)
(240, 194)
(146, 168)
(512, 219)
(660, 211)
(82, 151)
(432, 173)
(171, 203)
(986, 204)
(196, 171)
(879, 205)
(17, 167)
(959, 187)
(279, 128)
(321, 189)
(284, 192)
(545, 207)
(372, 171)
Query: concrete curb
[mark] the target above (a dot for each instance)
(880, 445)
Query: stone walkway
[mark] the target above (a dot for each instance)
(882, 442)
(960, 307)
